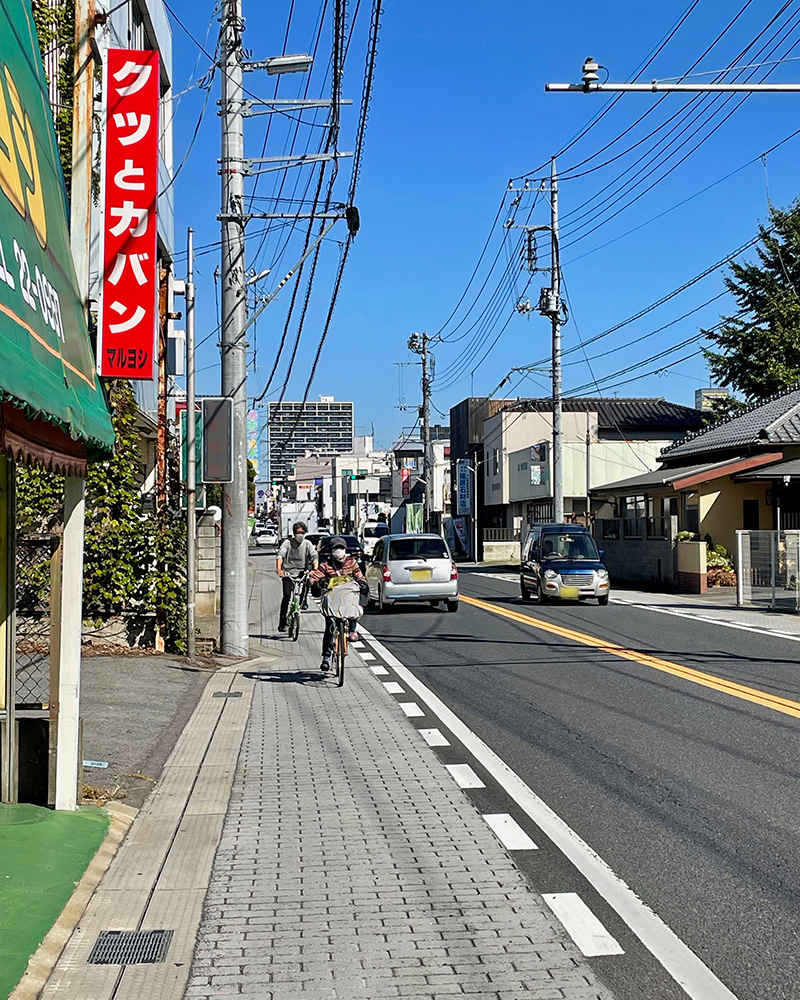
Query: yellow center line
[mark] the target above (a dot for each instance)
(763, 698)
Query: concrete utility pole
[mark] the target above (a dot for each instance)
(554, 309)
(550, 305)
(419, 345)
(234, 618)
(191, 467)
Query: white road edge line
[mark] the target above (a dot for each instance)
(688, 971)
(582, 925)
(464, 776)
(706, 619)
(509, 832)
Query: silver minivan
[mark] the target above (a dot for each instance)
(412, 568)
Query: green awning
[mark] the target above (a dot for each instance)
(47, 365)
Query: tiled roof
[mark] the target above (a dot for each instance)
(774, 421)
(629, 413)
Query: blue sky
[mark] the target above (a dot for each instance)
(458, 108)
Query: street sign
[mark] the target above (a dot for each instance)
(464, 481)
(198, 444)
(217, 439)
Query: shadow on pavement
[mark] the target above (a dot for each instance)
(287, 676)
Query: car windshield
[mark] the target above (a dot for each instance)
(568, 546)
(350, 541)
(417, 548)
(377, 532)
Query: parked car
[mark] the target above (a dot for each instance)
(353, 547)
(265, 536)
(412, 568)
(562, 561)
(369, 535)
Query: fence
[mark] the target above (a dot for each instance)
(768, 569)
(500, 535)
(32, 624)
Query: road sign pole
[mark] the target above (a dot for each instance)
(191, 469)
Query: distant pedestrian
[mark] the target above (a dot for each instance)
(295, 556)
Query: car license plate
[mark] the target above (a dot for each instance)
(420, 574)
(569, 592)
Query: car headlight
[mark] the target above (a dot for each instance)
(603, 574)
(550, 574)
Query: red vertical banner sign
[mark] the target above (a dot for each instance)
(130, 283)
(405, 477)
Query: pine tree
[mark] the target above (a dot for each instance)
(758, 348)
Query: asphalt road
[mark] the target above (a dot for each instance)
(688, 793)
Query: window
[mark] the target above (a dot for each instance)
(377, 532)
(418, 548)
(495, 461)
(750, 519)
(568, 546)
(377, 555)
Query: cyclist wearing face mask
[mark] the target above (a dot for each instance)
(338, 564)
(295, 556)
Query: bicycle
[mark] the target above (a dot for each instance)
(341, 604)
(293, 614)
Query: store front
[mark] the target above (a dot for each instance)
(53, 412)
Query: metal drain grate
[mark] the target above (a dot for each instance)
(130, 947)
(227, 694)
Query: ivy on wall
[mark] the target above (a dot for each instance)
(134, 561)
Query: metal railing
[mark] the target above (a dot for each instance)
(768, 569)
(500, 535)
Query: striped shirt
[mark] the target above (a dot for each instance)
(328, 570)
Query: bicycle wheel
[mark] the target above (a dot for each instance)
(341, 650)
(294, 624)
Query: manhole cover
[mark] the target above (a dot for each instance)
(130, 947)
(227, 694)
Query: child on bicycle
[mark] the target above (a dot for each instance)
(338, 564)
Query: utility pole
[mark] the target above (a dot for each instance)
(550, 305)
(555, 317)
(234, 617)
(191, 468)
(419, 345)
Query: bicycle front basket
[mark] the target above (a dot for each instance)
(342, 601)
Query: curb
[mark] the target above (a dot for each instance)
(44, 959)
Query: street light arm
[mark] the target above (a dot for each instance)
(655, 87)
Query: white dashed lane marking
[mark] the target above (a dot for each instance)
(393, 687)
(412, 709)
(464, 776)
(434, 738)
(366, 656)
(509, 832)
(581, 924)
(379, 670)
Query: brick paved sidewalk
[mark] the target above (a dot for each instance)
(351, 865)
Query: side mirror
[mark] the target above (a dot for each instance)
(602, 552)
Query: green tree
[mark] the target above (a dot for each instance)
(757, 350)
(251, 484)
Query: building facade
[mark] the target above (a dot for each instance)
(296, 429)
(599, 437)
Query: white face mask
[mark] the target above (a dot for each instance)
(339, 554)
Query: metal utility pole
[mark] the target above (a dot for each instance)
(419, 345)
(234, 617)
(590, 84)
(191, 467)
(555, 317)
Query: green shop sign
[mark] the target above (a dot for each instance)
(48, 363)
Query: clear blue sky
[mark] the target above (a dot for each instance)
(458, 108)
